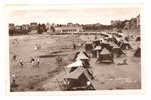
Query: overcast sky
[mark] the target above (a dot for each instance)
(78, 15)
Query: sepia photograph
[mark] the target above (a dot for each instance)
(74, 48)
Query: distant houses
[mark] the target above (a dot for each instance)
(68, 29)
(64, 28)
(37, 28)
(33, 26)
(11, 28)
(18, 29)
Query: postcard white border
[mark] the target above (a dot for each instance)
(97, 92)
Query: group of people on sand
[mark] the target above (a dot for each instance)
(35, 61)
(18, 59)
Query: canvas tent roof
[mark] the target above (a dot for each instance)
(105, 42)
(98, 48)
(81, 49)
(105, 51)
(118, 39)
(81, 55)
(138, 52)
(78, 63)
(75, 74)
(115, 46)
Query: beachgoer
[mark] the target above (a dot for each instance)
(13, 83)
(59, 60)
(21, 62)
(14, 57)
(35, 47)
(38, 61)
(74, 46)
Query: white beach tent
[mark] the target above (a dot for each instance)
(81, 56)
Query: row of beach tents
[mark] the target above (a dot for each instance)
(80, 74)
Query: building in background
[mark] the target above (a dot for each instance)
(33, 26)
(18, 27)
(70, 24)
(68, 29)
(11, 26)
(25, 27)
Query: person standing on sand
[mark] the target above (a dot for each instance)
(74, 46)
(32, 61)
(13, 83)
(21, 62)
(14, 57)
(38, 61)
(36, 47)
(59, 60)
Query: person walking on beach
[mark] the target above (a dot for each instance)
(21, 62)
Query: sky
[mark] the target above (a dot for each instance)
(60, 15)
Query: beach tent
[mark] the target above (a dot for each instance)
(106, 45)
(96, 42)
(88, 46)
(105, 55)
(96, 51)
(125, 45)
(117, 50)
(138, 38)
(82, 56)
(105, 51)
(79, 52)
(78, 63)
(138, 52)
(97, 48)
(77, 80)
